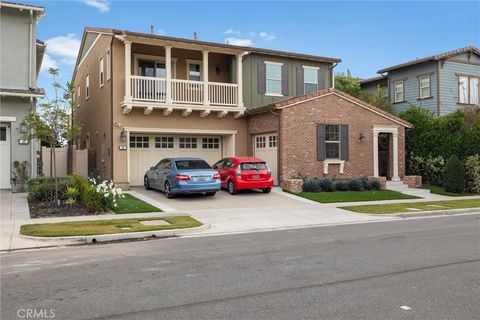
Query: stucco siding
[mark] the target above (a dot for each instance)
(15, 56)
(411, 87)
(253, 99)
(449, 83)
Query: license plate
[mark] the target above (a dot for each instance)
(200, 179)
(255, 177)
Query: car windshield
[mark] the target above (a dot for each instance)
(253, 166)
(192, 165)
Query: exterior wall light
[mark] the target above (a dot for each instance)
(23, 128)
(123, 135)
(363, 137)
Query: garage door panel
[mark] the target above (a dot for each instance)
(265, 148)
(146, 153)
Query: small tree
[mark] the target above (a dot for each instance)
(348, 84)
(53, 123)
(454, 175)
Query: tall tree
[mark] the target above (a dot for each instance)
(52, 123)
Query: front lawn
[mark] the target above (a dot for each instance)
(415, 206)
(89, 228)
(353, 196)
(131, 204)
(441, 191)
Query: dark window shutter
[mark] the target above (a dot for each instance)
(285, 80)
(344, 141)
(321, 83)
(321, 141)
(300, 81)
(262, 78)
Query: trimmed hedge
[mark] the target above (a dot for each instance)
(454, 175)
(42, 189)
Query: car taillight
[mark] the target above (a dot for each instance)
(182, 177)
(238, 172)
(269, 172)
(216, 176)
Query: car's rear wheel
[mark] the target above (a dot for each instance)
(210, 194)
(266, 190)
(168, 191)
(146, 183)
(231, 187)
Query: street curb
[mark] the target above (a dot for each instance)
(438, 213)
(121, 236)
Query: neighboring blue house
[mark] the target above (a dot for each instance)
(441, 83)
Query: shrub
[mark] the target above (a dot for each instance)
(311, 185)
(91, 199)
(376, 184)
(366, 183)
(72, 195)
(342, 185)
(42, 189)
(326, 184)
(454, 175)
(430, 168)
(355, 185)
(472, 173)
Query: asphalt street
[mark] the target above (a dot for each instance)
(425, 268)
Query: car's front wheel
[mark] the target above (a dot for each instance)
(210, 194)
(231, 188)
(168, 191)
(146, 183)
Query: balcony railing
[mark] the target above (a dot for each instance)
(151, 89)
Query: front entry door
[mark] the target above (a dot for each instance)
(5, 156)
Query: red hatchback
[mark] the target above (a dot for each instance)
(237, 173)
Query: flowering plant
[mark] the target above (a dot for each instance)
(110, 193)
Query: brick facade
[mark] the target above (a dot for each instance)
(297, 136)
(413, 181)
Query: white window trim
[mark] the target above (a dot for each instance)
(191, 61)
(101, 70)
(108, 71)
(312, 68)
(429, 87)
(395, 91)
(469, 94)
(78, 96)
(87, 86)
(161, 59)
(272, 94)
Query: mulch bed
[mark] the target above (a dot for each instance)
(49, 210)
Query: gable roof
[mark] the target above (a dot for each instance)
(440, 56)
(215, 44)
(324, 93)
(373, 79)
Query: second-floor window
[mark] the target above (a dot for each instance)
(398, 91)
(101, 74)
(384, 91)
(424, 87)
(468, 90)
(87, 86)
(194, 71)
(310, 79)
(273, 78)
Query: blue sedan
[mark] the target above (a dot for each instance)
(182, 175)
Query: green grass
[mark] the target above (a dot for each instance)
(130, 204)
(441, 191)
(88, 228)
(353, 196)
(422, 206)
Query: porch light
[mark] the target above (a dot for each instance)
(363, 137)
(123, 135)
(23, 127)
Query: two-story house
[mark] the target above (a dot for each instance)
(441, 83)
(21, 56)
(142, 97)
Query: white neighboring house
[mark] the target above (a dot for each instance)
(20, 61)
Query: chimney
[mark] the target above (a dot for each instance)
(151, 29)
(195, 37)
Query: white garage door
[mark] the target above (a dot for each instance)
(5, 157)
(265, 148)
(148, 150)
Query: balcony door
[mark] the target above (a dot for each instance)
(147, 68)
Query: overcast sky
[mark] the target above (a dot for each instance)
(367, 36)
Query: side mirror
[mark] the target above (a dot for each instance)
(153, 168)
(214, 167)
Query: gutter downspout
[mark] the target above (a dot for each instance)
(333, 74)
(111, 106)
(30, 51)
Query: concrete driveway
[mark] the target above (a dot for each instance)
(254, 211)
(222, 200)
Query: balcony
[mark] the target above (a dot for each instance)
(165, 92)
